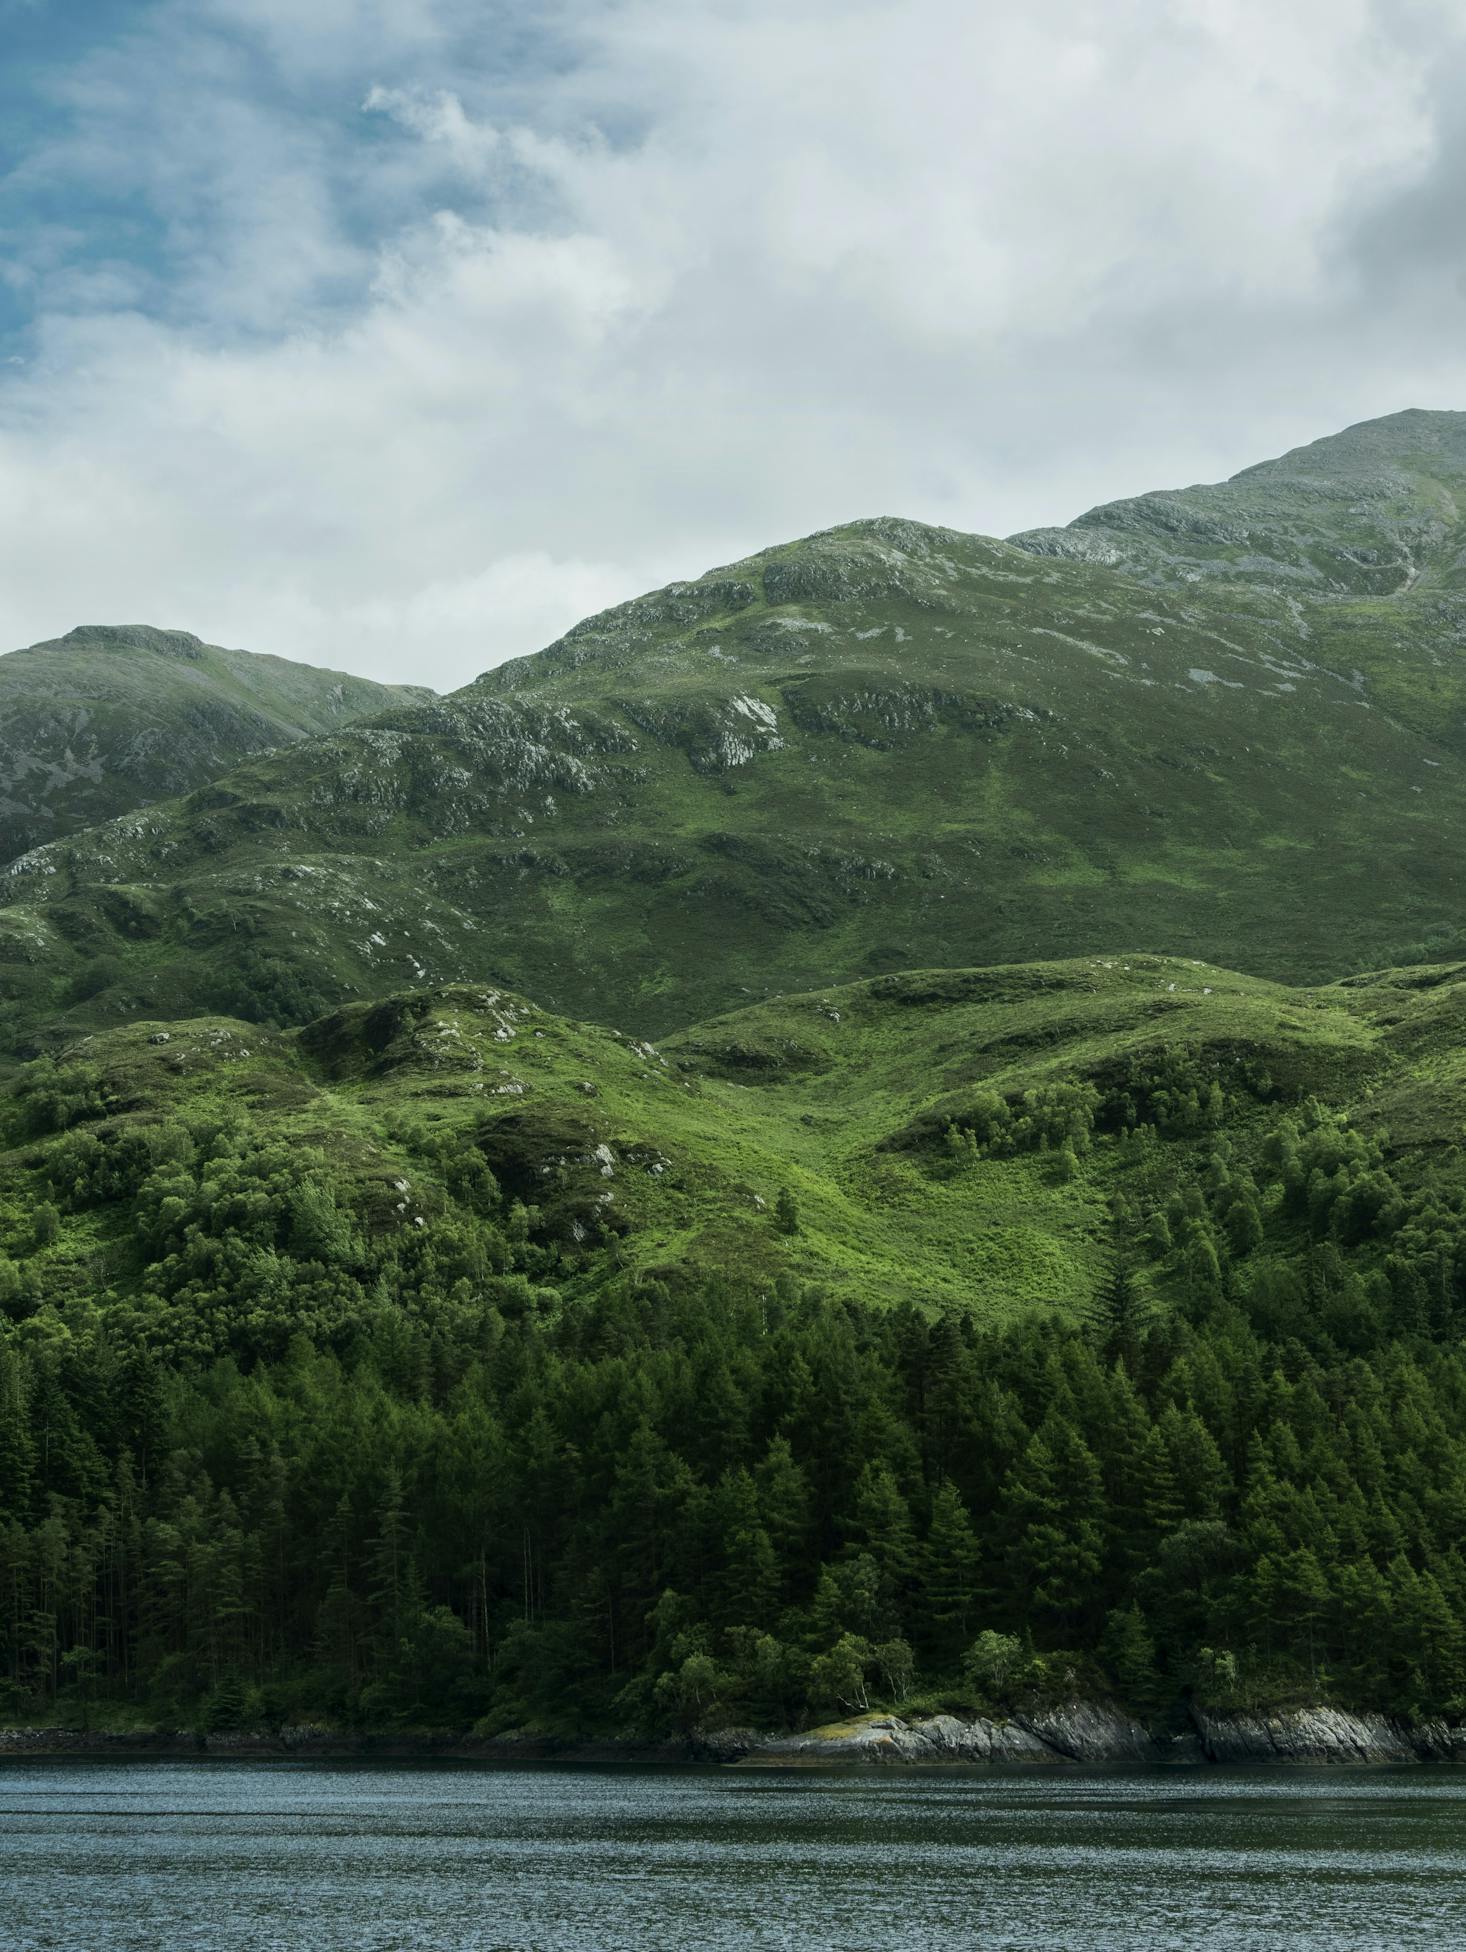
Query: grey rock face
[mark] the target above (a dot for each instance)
(1089, 1731)
(1326, 1735)
(1077, 1731)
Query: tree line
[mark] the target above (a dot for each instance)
(658, 1509)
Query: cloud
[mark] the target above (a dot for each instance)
(432, 332)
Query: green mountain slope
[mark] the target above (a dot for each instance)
(378, 1343)
(944, 1301)
(881, 747)
(110, 718)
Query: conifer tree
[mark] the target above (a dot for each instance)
(1128, 1652)
(1119, 1314)
(951, 1562)
(880, 1525)
(1053, 1505)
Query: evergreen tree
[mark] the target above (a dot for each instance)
(784, 1508)
(1128, 1652)
(1119, 1313)
(1052, 1509)
(881, 1525)
(951, 1561)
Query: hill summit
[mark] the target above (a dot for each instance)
(111, 717)
(1367, 512)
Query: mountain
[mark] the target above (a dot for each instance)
(110, 718)
(884, 746)
(1028, 1265)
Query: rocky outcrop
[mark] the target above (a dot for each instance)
(1325, 1735)
(1098, 1731)
(885, 1738)
(1076, 1731)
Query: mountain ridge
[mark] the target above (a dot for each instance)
(1396, 481)
(880, 746)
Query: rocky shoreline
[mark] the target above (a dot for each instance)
(1326, 1735)
(1077, 1732)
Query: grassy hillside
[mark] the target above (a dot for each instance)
(108, 719)
(961, 1138)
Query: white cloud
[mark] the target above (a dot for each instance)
(445, 348)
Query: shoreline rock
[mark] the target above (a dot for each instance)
(1072, 1732)
(1325, 1735)
(1091, 1733)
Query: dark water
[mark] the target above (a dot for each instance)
(313, 1858)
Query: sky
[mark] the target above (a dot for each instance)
(397, 335)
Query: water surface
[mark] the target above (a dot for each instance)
(311, 1857)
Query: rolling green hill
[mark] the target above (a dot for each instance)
(961, 1138)
(111, 718)
(885, 746)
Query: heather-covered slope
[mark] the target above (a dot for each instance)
(109, 718)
